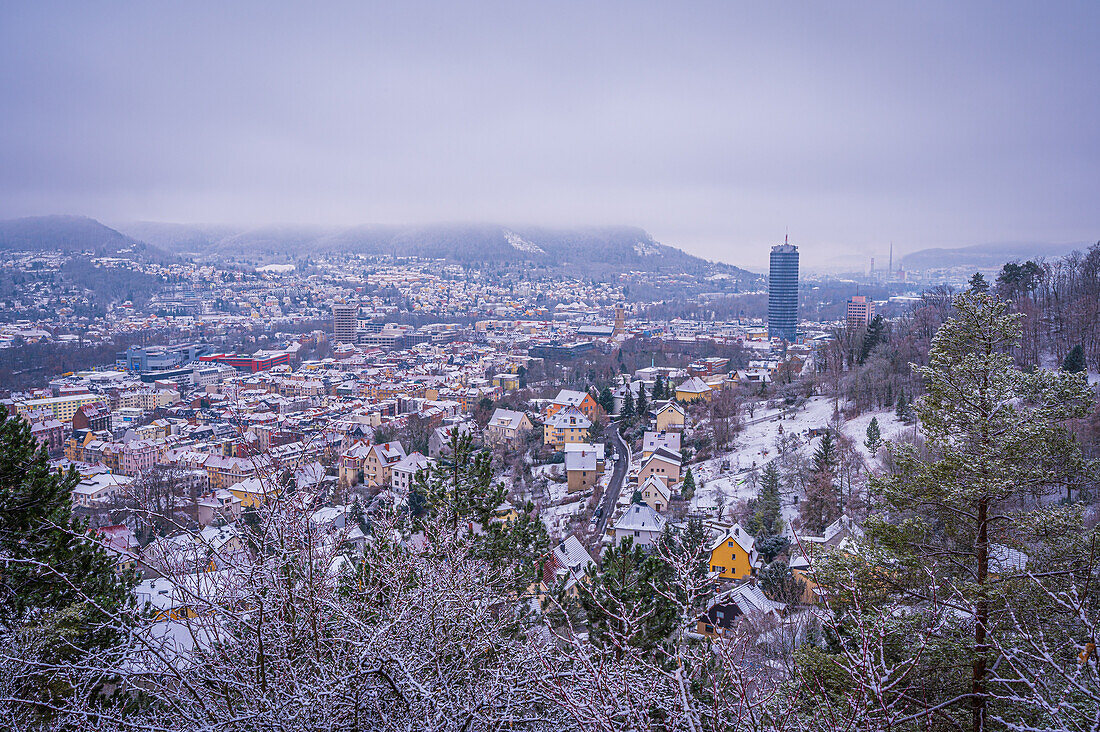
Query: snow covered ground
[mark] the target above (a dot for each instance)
(724, 478)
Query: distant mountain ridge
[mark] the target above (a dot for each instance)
(589, 251)
(986, 255)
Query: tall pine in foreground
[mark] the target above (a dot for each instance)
(59, 593)
(995, 445)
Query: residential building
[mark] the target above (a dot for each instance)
(565, 426)
(653, 440)
(860, 311)
(378, 465)
(669, 416)
(744, 603)
(581, 470)
(692, 390)
(404, 472)
(580, 400)
(663, 464)
(655, 493)
(507, 426)
(733, 554)
(345, 323)
(639, 523)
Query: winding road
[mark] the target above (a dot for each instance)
(615, 486)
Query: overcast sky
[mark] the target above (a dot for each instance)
(716, 126)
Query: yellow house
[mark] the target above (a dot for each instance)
(566, 426)
(732, 554)
(505, 513)
(254, 492)
(670, 416)
(692, 390)
(655, 493)
(507, 382)
(663, 464)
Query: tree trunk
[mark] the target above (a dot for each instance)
(981, 618)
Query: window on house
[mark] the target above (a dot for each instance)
(637, 533)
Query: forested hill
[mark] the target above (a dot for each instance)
(73, 235)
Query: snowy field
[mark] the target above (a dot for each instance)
(724, 479)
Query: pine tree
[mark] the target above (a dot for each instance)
(640, 406)
(873, 443)
(978, 283)
(902, 409)
(687, 488)
(779, 583)
(607, 400)
(994, 436)
(822, 504)
(658, 388)
(875, 334)
(628, 404)
(57, 583)
(765, 511)
(630, 601)
(1074, 362)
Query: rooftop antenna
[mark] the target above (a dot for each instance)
(786, 235)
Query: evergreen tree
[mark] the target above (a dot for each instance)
(765, 511)
(357, 515)
(630, 601)
(822, 504)
(772, 546)
(994, 437)
(1074, 362)
(875, 334)
(658, 388)
(628, 404)
(641, 406)
(519, 547)
(779, 583)
(687, 488)
(57, 583)
(607, 400)
(825, 457)
(978, 283)
(873, 443)
(902, 409)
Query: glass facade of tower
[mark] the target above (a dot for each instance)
(783, 293)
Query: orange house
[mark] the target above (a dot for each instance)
(582, 400)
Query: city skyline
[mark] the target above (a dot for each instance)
(715, 128)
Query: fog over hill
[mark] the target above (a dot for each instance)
(72, 234)
(593, 251)
(986, 255)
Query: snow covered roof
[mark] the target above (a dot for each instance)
(737, 534)
(506, 419)
(580, 460)
(749, 599)
(1004, 559)
(694, 385)
(413, 462)
(640, 517)
(653, 440)
(569, 417)
(569, 397)
(596, 447)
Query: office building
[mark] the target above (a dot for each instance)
(860, 311)
(345, 323)
(783, 292)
